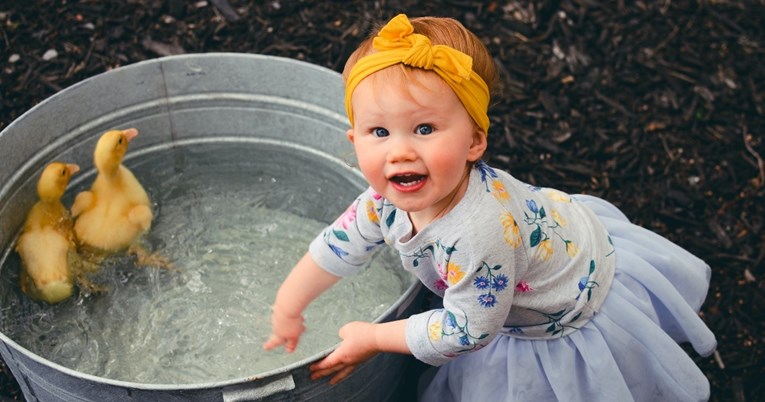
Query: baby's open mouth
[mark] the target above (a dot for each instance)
(408, 179)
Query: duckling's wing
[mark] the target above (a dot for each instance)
(141, 215)
(82, 202)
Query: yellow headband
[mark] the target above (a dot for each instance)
(397, 43)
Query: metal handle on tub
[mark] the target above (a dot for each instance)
(246, 392)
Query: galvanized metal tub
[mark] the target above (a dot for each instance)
(173, 100)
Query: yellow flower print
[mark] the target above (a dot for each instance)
(371, 213)
(500, 193)
(454, 273)
(545, 249)
(559, 219)
(434, 331)
(511, 232)
(556, 195)
(572, 249)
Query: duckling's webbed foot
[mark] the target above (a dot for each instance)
(146, 258)
(84, 265)
(88, 259)
(88, 287)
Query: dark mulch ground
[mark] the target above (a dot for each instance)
(658, 106)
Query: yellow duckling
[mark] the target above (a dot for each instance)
(46, 245)
(116, 212)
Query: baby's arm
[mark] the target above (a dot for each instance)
(306, 282)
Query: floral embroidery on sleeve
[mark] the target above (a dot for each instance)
(338, 235)
(348, 217)
(454, 273)
(440, 284)
(523, 287)
(434, 331)
(453, 328)
(490, 282)
(339, 230)
(372, 212)
(440, 254)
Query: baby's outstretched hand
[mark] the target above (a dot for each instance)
(285, 330)
(358, 345)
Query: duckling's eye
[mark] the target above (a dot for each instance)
(424, 129)
(63, 172)
(380, 132)
(119, 141)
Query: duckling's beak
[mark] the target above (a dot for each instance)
(130, 133)
(72, 168)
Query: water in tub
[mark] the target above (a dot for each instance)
(233, 216)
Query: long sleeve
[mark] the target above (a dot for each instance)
(344, 247)
(479, 272)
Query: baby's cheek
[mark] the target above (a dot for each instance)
(448, 164)
(373, 173)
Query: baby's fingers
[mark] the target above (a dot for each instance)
(290, 345)
(341, 375)
(274, 341)
(324, 371)
(325, 367)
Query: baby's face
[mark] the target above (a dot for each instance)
(413, 140)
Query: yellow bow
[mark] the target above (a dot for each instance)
(397, 43)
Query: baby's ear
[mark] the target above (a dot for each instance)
(349, 134)
(478, 147)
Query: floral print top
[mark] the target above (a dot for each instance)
(509, 259)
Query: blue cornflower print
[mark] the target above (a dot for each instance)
(486, 173)
(486, 170)
(487, 300)
(337, 250)
(586, 283)
(514, 330)
(583, 282)
(451, 321)
(532, 205)
(481, 282)
(500, 282)
(460, 332)
(464, 341)
(491, 282)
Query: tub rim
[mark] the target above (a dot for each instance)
(403, 302)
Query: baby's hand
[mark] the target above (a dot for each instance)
(358, 345)
(285, 330)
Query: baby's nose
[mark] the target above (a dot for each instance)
(400, 149)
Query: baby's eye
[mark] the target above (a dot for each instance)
(424, 129)
(380, 132)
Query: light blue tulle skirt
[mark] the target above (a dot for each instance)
(628, 352)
